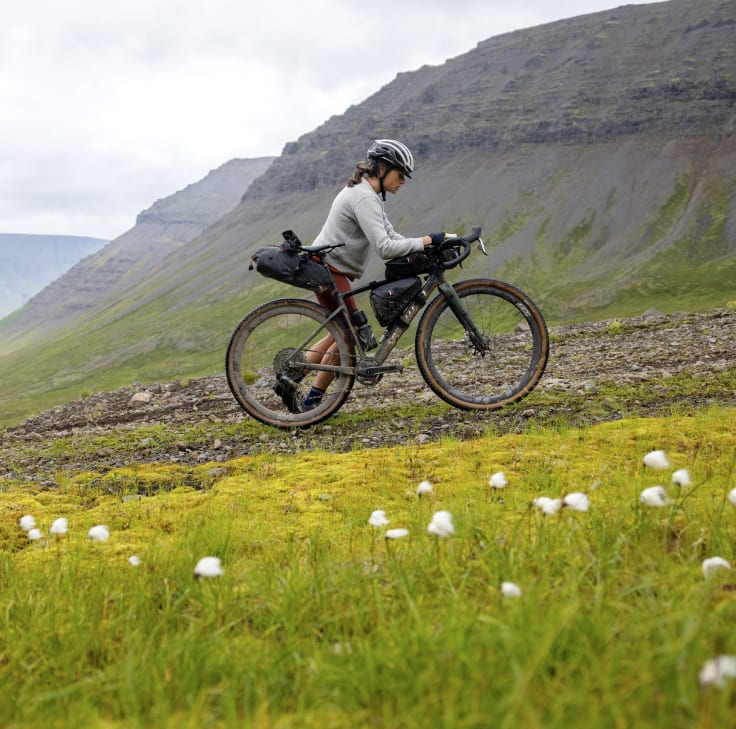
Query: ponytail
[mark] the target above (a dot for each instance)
(362, 168)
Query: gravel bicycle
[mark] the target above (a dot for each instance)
(480, 344)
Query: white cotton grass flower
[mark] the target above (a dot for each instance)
(396, 533)
(425, 487)
(99, 533)
(441, 524)
(27, 523)
(498, 481)
(378, 518)
(713, 564)
(654, 496)
(134, 560)
(547, 505)
(35, 534)
(59, 526)
(656, 460)
(716, 670)
(577, 501)
(510, 589)
(209, 567)
(342, 648)
(681, 477)
(732, 496)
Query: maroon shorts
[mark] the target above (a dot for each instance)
(342, 281)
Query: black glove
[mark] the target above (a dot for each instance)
(437, 238)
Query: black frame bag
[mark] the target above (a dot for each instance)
(390, 299)
(286, 263)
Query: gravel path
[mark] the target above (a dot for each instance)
(600, 371)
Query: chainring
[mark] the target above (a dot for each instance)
(370, 380)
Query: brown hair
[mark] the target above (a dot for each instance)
(362, 168)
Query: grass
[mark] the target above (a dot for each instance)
(319, 621)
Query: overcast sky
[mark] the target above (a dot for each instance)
(107, 107)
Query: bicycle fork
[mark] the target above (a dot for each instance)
(480, 342)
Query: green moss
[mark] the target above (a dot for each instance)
(670, 212)
(320, 621)
(511, 225)
(615, 327)
(541, 236)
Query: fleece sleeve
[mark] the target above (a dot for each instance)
(376, 227)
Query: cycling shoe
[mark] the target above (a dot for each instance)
(289, 395)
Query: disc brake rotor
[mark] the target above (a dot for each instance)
(474, 348)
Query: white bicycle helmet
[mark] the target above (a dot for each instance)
(393, 153)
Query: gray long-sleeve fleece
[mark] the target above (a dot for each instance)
(358, 219)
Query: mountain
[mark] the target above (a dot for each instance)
(159, 231)
(28, 263)
(598, 153)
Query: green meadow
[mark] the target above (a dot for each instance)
(320, 620)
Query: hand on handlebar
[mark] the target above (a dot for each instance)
(437, 238)
(453, 248)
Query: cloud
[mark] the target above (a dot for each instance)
(108, 107)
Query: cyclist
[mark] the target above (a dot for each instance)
(357, 218)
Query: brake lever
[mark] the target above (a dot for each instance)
(482, 247)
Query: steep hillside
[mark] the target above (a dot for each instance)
(28, 263)
(161, 229)
(598, 154)
(586, 147)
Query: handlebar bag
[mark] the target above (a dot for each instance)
(390, 299)
(284, 264)
(411, 265)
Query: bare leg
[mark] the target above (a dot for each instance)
(324, 352)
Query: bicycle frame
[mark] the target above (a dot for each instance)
(372, 365)
(480, 344)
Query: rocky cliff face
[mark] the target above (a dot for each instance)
(665, 68)
(160, 230)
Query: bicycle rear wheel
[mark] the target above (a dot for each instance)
(266, 358)
(502, 369)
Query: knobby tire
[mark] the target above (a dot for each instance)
(271, 342)
(504, 370)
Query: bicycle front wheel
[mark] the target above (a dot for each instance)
(500, 369)
(269, 360)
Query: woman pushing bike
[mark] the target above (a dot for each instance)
(480, 344)
(358, 219)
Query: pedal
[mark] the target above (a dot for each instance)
(374, 370)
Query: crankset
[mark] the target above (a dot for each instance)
(368, 373)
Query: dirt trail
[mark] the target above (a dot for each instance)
(637, 356)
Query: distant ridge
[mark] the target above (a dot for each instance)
(161, 229)
(28, 263)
